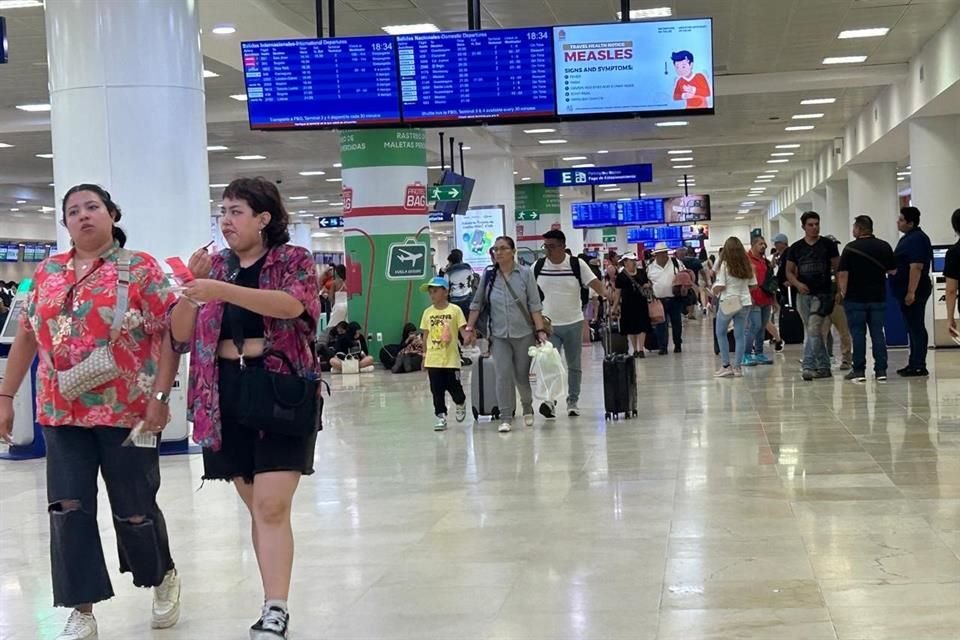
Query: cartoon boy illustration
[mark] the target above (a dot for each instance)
(694, 88)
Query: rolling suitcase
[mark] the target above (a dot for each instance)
(731, 339)
(483, 388)
(791, 325)
(619, 382)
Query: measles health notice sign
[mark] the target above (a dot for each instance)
(634, 67)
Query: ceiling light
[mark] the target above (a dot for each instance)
(466, 148)
(45, 156)
(210, 74)
(19, 4)
(573, 158)
(21, 202)
(845, 60)
(585, 165)
(684, 166)
(903, 173)
(645, 14)
(217, 147)
(908, 167)
(299, 197)
(800, 127)
(240, 97)
(808, 116)
(319, 201)
(224, 30)
(783, 154)
(763, 181)
(612, 189)
(516, 173)
(313, 173)
(334, 179)
(772, 171)
(539, 130)
(14, 209)
(748, 203)
(33, 107)
(679, 152)
(689, 159)
(554, 141)
(603, 151)
(251, 157)
(336, 204)
(221, 185)
(787, 146)
(406, 29)
(526, 179)
(624, 199)
(901, 179)
(337, 165)
(4, 145)
(876, 32)
(437, 166)
(778, 161)
(47, 209)
(812, 101)
(673, 123)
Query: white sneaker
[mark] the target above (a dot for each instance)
(80, 626)
(461, 412)
(440, 424)
(166, 602)
(723, 372)
(528, 420)
(504, 427)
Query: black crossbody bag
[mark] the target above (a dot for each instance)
(286, 404)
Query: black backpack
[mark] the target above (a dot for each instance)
(575, 267)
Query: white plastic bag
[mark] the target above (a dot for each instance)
(548, 376)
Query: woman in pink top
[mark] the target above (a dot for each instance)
(258, 296)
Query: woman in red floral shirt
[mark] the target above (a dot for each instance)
(266, 291)
(94, 299)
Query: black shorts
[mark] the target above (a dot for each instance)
(243, 452)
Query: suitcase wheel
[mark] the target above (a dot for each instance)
(476, 414)
(635, 413)
(495, 414)
(606, 416)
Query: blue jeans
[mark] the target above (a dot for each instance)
(569, 337)
(757, 328)
(673, 310)
(860, 317)
(815, 356)
(739, 333)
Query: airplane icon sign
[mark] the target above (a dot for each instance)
(407, 260)
(406, 256)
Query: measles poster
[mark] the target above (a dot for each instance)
(634, 67)
(476, 231)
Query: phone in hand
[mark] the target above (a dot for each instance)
(180, 271)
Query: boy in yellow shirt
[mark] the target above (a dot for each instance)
(440, 325)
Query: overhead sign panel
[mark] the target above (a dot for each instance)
(632, 173)
(330, 222)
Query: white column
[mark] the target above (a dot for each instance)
(818, 203)
(838, 204)
(873, 192)
(494, 176)
(788, 225)
(128, 113)
(935, 168)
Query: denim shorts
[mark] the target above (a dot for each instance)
(244, 452)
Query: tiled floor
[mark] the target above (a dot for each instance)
(757, 508)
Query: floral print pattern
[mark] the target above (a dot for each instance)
(70, 319)
(287, 268)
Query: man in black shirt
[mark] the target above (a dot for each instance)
(862, 284)
(912, 287)
(811, 262)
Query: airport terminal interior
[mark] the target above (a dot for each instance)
(670, 497)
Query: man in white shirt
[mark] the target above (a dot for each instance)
(661, 273)
(564, 280)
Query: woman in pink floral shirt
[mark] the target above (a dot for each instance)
(260, 295)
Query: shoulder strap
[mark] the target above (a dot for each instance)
(575, 267)
(867, 256)
(520, 304)
(123, 293)
(538, 267)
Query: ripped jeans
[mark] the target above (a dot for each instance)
(132, 478)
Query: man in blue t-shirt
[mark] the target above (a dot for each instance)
(912, 287)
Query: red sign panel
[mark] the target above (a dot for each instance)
(347, 194)
(415, 199)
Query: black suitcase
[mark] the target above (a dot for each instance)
(613, 342)
(731, 339)
(619, 387)
(791, 326)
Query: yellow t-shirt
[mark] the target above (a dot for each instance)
(442, 355)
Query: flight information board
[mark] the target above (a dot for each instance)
(505, 74)
(594, 214)
(640, 212)
(332, 82)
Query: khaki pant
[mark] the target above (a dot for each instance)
(838, 319)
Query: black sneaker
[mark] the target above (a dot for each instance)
(915, 373)
(547, 410)
(808, 374)
(822, 373)
(639, 354)
(272, 625)
(856, 376)
(900, 372)
(663, 352)
(881, 376)
(778, 345)
(678, 349)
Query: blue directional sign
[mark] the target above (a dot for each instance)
(330, 222)
(632, 173)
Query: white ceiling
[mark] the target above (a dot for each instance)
(767, 58)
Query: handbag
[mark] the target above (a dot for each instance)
(277, 403)
(730, 305)
(547, 323)
(350, 365)
(99, 367)
(656, 312)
